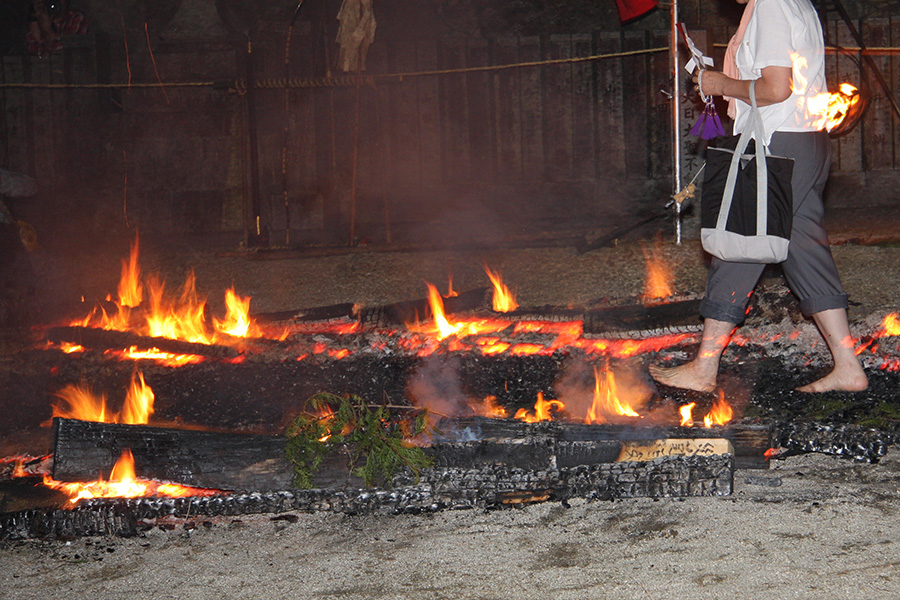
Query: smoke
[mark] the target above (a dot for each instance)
(436, 387)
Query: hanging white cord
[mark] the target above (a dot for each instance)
(703, 96)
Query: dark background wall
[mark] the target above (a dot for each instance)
(541, 153)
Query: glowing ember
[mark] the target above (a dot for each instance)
(720, 413)
(606, 399)
(687, 419)
(504, 300)
(165, 358)
(80, 402)
(123, 483)
(542, 410)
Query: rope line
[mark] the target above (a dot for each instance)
(240, 86)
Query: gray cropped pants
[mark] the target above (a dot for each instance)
(809, 269)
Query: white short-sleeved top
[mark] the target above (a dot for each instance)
(784, 33)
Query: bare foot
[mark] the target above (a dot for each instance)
(845, 380)
(689, 376)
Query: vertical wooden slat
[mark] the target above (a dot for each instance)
(481, 122)
(636, 107)
(848, 70)
(894, 78)
(508, 113)
(660, 124)
(403, 118)
(429, 115)
(557, 101)
(610, 109)
(532, 110)
(455, 142)
(583, 110)
(877, 141)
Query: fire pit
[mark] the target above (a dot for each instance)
(533, 404)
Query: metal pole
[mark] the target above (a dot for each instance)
(676, 117)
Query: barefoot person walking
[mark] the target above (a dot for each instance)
(779, 44)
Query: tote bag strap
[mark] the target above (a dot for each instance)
(755, 127)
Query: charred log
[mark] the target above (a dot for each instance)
(750, 440)
(106, 339)
(637, 317)
(84, 450)
(438, 489)
(412, 310)
(318, 313)
(860, 444)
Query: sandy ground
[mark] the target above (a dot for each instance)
(827, 531)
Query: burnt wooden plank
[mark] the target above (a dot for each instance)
(90, 337)
(399, 313)
(85, 451)
(750, 440)
(316, 313)
(641, 316)
(437, 489)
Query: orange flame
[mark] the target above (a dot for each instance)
(444, 327)
(123, 483)
(606, 399)
(237, 318)
(504, 300)
(489, 408)
(542, 410)
(138, 402)
(720, 413)
(832, 108)
(825, 110)
(131, 292)
(687, 419)
(178, 318)
(83, 404)
(892, 324)
(659, 275)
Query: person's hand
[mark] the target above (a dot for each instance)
(713, 83)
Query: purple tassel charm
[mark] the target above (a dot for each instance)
(708, 126)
